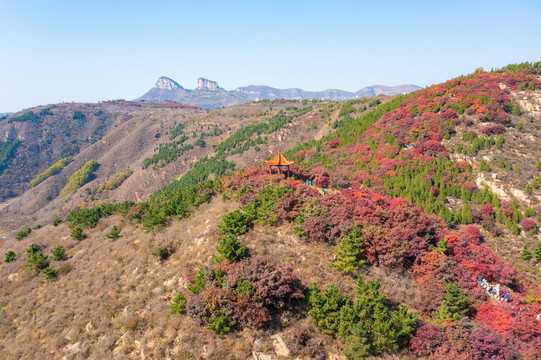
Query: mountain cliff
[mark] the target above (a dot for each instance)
(208, 94)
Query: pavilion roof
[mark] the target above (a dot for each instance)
(279, 160)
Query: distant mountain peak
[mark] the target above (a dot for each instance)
(208, 94)
(167, 84)
(206, 85)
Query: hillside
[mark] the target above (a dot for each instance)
(121, 135)
(208, 94)
(410, 201)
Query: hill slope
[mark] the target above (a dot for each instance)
(395, 244)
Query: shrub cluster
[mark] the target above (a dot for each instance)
(80, 177)
(52, 170)
(248, 293)
(366, 323)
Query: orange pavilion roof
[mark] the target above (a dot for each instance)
(279, 160)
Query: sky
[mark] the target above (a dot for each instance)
(87, 51)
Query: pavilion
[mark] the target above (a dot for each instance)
(279, 162)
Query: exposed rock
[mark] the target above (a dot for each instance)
(258, 344)
(89, 327)
(167, 89)
(72, 349)
(331, 356)
(206, 85)
(167, 84)
(280, 346)
(13, 277)
(257, 355)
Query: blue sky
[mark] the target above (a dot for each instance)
(54, 51)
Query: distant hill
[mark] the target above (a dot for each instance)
(5, 114)
(208, 94)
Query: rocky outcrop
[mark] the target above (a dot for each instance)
(208, 94)
(167, 84)
(206, 85)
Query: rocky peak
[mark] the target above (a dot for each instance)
(206, 85)
(167, 84)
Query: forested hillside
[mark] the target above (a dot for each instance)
(408, 229)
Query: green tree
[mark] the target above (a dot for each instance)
(35, 258)
(178, 305)
(235, 223)
(58, 253)
(50, 274)
(350, 251)
(466, 213)
(499, 141)
(538, 165)
(10, 256)
(484, 166)
(537, 252)
(23, 233)
(115, 233)
(78, 234)
(57, 222)
(357, 346)
(230, 249)
(220, 324)
(324, 307)
(454, 303)
(525, 254)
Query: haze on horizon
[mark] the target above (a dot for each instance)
(62, 51)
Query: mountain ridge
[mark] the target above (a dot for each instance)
(208, 94)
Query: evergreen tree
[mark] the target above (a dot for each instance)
(357, 346)
(59, 253)
(324, 307)
(230, 249)
(484, 166)
(501, 164)
(78, 234)
(10, 256)
(499, 141)
(466, 213)
(350, 251)
(178, 305)
(537, 252)
(454, 303)
(115, 233)
(538, 165)
(525, 254)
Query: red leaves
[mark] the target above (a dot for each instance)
(492, 315)
(528, 224)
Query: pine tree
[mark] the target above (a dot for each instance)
(500, 141)
(501, 164)
(525, 254)
(537, 252)
(484, 166)
(350, 251)
(230, 249)
(539, 165)
(115, 233)
(466, 213)
(357, 346)
(178, 305)
(78, 234)
(454, 303)
(58, 253)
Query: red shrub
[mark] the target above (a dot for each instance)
(427, 339)
(528, 224)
